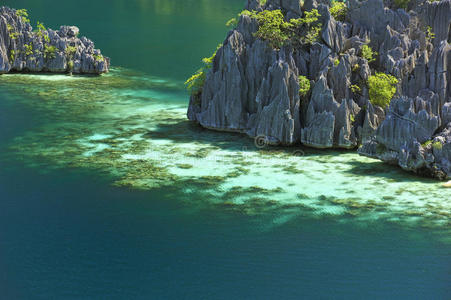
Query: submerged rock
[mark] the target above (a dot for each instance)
(45, 50)
(252, 87)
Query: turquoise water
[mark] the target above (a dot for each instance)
(107, 191)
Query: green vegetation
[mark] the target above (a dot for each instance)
(70, 65)
(355, 68)
(23, 13)
(338, 10)
(12, 56)
(304, 85)
(41, 31)
(430, 35)
(437, 145)
(28, 49)
(70, 50)
(402, 3)
(40, 27)
(426, 144)
(49, 52)
(263, 2)
(336, 62)
(195, 83)
(98, 57)
(13, 35)
(355, 89)
(232, 22)
(368, 53)
(274, 29)
(382, 88)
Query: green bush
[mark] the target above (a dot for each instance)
(28, 49)
(195, 83)
(274, 29)
(355, 89)
(12, 56)
(437, 145)
(382, 88)
(336, 62)
(304, 85)
(232, 22)
(70, 50)
(49, 51)
(41, 31)
(23, 13)
(426, 144)
(13, 35)
(70, 65)
(368, 53)
(338, 10)
(98, 57)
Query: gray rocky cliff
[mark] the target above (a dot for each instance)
(45, 50)
(253, 88)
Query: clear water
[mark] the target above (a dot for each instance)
(106, 191)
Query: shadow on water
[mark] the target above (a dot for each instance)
(185, 131)
(384, 170)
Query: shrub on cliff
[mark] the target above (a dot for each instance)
(272, 26)
(304, 85)
(49, 52)
(277, 32)
(41, 31)
(368, 53)
(28, 49)
(382, 88)
(338, 10)
(195, 83)
(23, 14)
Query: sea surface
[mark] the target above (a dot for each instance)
(108, 192)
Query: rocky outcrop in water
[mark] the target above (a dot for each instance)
(253, 88)
(45, 50)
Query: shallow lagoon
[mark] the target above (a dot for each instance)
(133, 127)
(106, 190)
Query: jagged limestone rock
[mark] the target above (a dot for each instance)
(251, 88)
(22, 50)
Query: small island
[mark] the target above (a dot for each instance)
(367, 75)
(23, 49)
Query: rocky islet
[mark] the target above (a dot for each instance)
(251, 87)
(45, 50)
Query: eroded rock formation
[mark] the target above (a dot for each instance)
(45, 50)
(253, 88)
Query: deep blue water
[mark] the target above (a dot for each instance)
(69, 234)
